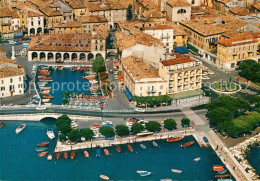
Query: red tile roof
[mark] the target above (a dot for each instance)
(180, 59)
(237, 41)
(174, 3)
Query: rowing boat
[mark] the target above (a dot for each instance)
(187, 144)
(40, 149)
(104, 177)
(155, 144)
(130, 148)
(2, 124)
(223, 176)
(142, 146)
(218, 168)
(49, 157)
(66, 155)
(118, 149)
(175, 139)
(72, 155)
(42, 153)
(46, 143)
(58, 156)
(86, 154)
(176, 171)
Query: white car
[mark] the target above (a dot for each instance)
(116, 77)
(139, 110)
(41, 108)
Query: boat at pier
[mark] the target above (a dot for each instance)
(98, 152)
(40, 149)
(143, 174)
(155, 144)
(49, 157)
(142, 146)
(58, 156)
(197, 159)
(46, 143)
(48, 97)
(118, 149)
(176, 171)
(66, 155)
(106, 152)
(20, 128)
(175, 139)
(50, 134)
(104, 177)
(130, 148)
(45, 88)
(2, 124)
(72, 155)
(187, 144)
(45, 100)
(223, 176)
(222, 172)
(86, 154)
(42, 153)
(218, 168)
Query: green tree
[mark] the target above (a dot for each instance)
(170, 123)
(74, 135)
(87, 133)
(62, 137)
(122, 130)
(107, 131)
(99, 61)
(153, 126)
(63, 124)
(66, 94)
(64, 101)
(102, 68)
(64, 128)
(185, 121)
(137, 128)
(220, 114)
(250, 69)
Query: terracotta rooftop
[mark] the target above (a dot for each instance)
(34, 14)
(76, 42)
(49, 12)
(68, 24)
(203, 9)
(77, 4)
(174, 3)
(256, 5)
(39, 2)
(7, 70)
(93, 19)
(5, 12)
(101, 31)
(154, 13)
(15, 14)
(233, 25)
(159, 27)
(237, 41)
(239, 11)
(137, 69)
(108, 5)
(224, 1)
(180, 59)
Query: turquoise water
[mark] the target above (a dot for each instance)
(254, 158)
(18, 161)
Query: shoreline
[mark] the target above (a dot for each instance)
(240, 152)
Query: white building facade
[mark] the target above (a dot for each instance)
(178, 11)
(35, 24)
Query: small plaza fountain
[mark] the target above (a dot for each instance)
(225, 87)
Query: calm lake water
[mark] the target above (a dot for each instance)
(254, 158)
(18, 161)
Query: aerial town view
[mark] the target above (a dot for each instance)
(130, 90)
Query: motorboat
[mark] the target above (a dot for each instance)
(187, 144)
(223, 176)
(50, 134)
(20, 128)
(143, 174)
(218, 168)
(49, 157)
(175, 139)
(118, 149)
(72, 155)
(197, 159)
(58, 156)
(86, 154)
(141, 171)
(2, 124)
(130, 148)
(66, 155)
(104, 177)
(155, 144)
(40, 149)
(46, 100)
(98, 152)
(106, 152)
(222, 172)
(42, 153)
(142, 146)
(46, 143)
(176, 171)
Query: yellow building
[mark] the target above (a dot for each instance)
(52, 13)
(141, 78)
(232, 51)
(5, 20)
(179, 37)
(182, 73)
(79, 8)
(68, 27)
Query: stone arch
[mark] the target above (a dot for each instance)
(39, 31)
(66, 57)
(74, 57)
(181, 11)
(34, 56)
(90, 56)
(82, 57)
(98, 54)
(50, 56)
(58, 57)
(32, 31)
(48, 119)
(42, 56)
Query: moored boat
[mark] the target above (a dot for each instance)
(106, 152)
(141, 171)
(197, 159)
(187, 144)
(20, 128)
(98, 152)
(225, 179)
(142, 146)
(66, 155)
(130, 148)
(86, 154)
(176, 171)
(143, 174)
(46, 143)
(58, 156)
(72, 155)
(104, 177)
(49, 157)
(2, 124)
(50, 134)
(223, 176)
(218, 168)
(222, 172)
(40, 149)
(175, 139)
(155, 144)
(42, 153)
(118, 149)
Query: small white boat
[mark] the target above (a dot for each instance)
(20, 128)
(141, 171)
(143, 174)
(45, 100)
(142, 146)
(49, 157)
(50, 134)
(155, 144)
(93, 81)
(176, 171)
(197, 159)
(104, 177)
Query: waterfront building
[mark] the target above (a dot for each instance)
(232, 51)
(11, 78)
(69, 47)
(178, 10)
(141, 78)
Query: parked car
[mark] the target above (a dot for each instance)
(139, 110)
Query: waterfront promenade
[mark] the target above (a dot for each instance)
(202, 129)
(60, 147)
